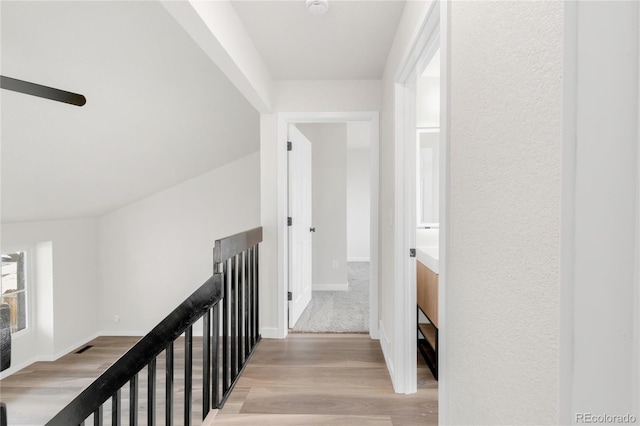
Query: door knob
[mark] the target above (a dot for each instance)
(312, 229)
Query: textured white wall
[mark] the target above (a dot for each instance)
(157, 251)
(335, 95)
(71, 293)
(502, 306)
(329, 201)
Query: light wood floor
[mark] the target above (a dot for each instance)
(325, 379)
(307, 379)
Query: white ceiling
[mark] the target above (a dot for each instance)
(351, 42)
(158, 110)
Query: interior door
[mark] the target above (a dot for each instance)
(300, 230)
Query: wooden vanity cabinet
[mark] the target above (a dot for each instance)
(427, 297)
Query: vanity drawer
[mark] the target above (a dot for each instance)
(427, 292)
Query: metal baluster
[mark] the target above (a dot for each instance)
(206, 363)
(233, 297)
(249, 300)
(169, 386)
(226, 304)
(216, 357)
(257, 293)
(97, 417)
(115, 409)
(253, 297)
(240, 288)
(151, 393)
(133, 401)
(188, 370)
(247, 306)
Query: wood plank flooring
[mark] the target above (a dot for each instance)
(36, 393)
(325, 379)
(306, 379)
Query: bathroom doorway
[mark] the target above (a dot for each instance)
(431, 39)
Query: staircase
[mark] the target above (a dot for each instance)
(227, 304)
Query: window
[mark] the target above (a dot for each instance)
(14, 288)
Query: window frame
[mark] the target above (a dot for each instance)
(29, 283)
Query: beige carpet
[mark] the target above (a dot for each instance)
(339, 311)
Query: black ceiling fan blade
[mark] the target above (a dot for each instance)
(46, 92)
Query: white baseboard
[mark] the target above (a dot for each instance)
(47, 357)
(17, 367)
(123, 333)
(270, 333)
(330, 287)
(358, 259)
(384, 344)
(72, 347)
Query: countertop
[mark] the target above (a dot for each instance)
(428, 256)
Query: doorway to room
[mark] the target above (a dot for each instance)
(329, 177)
(350, 271)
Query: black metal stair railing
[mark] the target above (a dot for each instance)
(230, 333)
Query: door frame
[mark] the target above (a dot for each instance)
(432, 34)
(283, 121)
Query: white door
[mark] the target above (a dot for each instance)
(300, 230)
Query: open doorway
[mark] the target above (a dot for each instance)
(431, 38)
(339, 227)
(349, 121)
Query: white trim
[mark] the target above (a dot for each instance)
(358, 259)
(283, 119)
(636, 319)
(330, 287)
(445, 185)
(425, 43)
(75, 346)
(270, 333)
(49, 357)
(386, 352)
(15, 368)
(126, 333)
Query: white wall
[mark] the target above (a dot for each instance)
(156, 252)
(65, 299)
(428, 102)
(326, 96)
(599, 354)
(358, 192)
(502, 307)
(329, 204)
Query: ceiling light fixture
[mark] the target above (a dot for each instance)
(317, 7)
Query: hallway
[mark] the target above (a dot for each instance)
(325, 379)
(305, 379)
